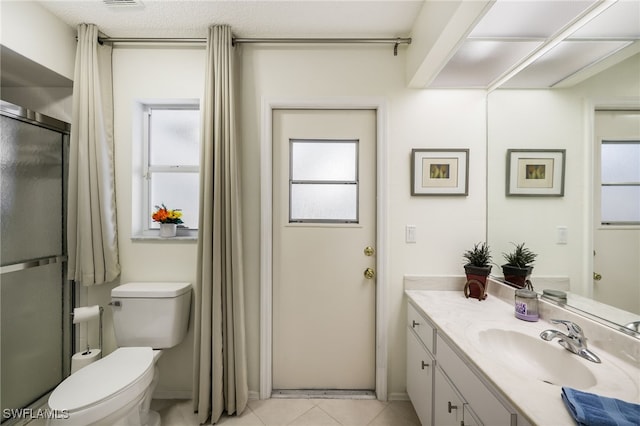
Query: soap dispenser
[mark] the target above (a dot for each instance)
(526, 304)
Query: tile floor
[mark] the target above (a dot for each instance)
(299, 412)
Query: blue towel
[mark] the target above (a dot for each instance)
(588, 409)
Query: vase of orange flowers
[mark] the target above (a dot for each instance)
(168, 219)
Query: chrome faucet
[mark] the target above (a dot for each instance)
(574, 341)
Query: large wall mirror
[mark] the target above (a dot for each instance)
(576, 251)
(561, 76)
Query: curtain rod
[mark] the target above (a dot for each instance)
(238, 40)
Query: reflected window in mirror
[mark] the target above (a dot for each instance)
(620, 182)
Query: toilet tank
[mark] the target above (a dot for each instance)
(153, 314)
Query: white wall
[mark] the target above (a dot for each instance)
(37, 63)
(53, 45)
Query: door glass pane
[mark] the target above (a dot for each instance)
(174, 136)
(620, 204)
(323, 160)
(314, 165)
(176, 191)
(324, 202)
(621, 162)
(31, 318)
(30, 191)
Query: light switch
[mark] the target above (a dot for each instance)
(410, 234)
(562, 234)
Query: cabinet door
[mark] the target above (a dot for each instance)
(468, 417)
(485, 405)
(419, 378)
(448, 404)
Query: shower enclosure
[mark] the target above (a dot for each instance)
(35, 297)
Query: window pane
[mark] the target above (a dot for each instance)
(621, 162)
(324, 160)
(174, 135)
(176, 191)
(620, 204)
(319, 202)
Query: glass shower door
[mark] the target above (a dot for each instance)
(32, 296)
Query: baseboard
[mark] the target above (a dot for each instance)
(175, 394)
(398, 396)
(253, 395)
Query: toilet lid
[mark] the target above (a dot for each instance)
(102, 379)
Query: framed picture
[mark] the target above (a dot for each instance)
(535, 172)
(439, 171)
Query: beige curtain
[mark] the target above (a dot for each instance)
(220, 371)
(92, 238)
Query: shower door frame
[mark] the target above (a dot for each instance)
(68, 295)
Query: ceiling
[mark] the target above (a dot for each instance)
(503, 43)
(260, 18)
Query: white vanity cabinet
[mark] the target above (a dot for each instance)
(420, 365)
(450, 393)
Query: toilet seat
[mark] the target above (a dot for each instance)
(113, 381)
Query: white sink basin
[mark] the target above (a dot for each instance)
(534, 357)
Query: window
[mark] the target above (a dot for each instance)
(620, 174)
(323, 181)
(171, 162)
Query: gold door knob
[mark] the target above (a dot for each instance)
(369, 251)
(369, 273)
(597, 276)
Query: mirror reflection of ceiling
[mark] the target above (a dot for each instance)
(541, 44)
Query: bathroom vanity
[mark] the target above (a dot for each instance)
(473, 362)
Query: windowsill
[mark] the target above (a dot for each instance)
(154, 238)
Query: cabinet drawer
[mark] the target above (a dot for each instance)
(421, 326)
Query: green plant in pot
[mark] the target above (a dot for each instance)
(477, 269)
(518, 268)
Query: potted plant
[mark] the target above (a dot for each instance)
(519, 266)
(477, 269)
(168, 219)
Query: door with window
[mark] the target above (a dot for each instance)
(324, 234)
(617, 209)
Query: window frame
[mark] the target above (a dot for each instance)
(356, 182)
(602, 184)
(146, 225)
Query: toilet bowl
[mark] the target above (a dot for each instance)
(111, 387)
(117, 389)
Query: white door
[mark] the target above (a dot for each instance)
(616, 238)
(324, 192)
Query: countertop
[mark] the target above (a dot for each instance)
(462, 321)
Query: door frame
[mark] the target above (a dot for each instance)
(266, 231)
(632, 102)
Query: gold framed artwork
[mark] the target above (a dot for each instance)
(439, 171)
(535, 172)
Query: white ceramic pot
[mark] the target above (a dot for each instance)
(168, 230)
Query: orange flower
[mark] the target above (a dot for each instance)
(164, 215)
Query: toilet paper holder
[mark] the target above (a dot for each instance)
(101, 310)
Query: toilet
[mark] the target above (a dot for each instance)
(117, 389)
